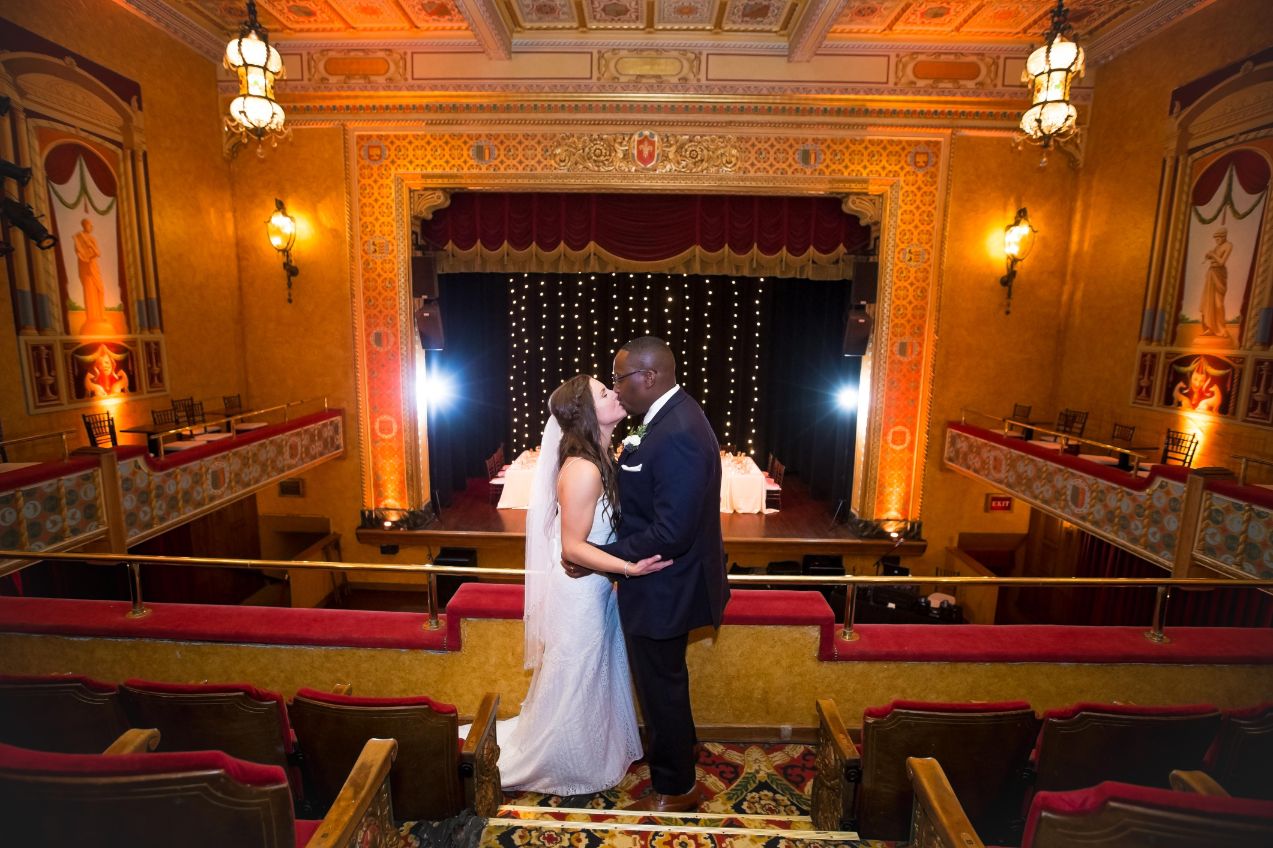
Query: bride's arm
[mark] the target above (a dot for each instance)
(578, 490)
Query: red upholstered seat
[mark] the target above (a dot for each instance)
(1129, 816)
(1240, 756)
(66, 713)
(195, 799)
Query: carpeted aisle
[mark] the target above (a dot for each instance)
(754, 796)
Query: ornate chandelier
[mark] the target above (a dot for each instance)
(1049, 71)
(255, 112)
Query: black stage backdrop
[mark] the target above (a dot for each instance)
(763, 357)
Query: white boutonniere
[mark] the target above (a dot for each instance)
(632, 441)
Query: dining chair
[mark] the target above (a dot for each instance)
(1178, 448)
(233, 405)
(1021, 412)
(100, 427)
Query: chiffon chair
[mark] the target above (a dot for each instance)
(773, 486)
(100, 427)
(233, 405)
(433, 778)
(66, 713)
(1178, 448)
(1107, 815)
(985, 747)
(1085, 744)
(199, 799)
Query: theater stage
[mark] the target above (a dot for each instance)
(804, 525)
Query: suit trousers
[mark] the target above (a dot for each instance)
(663, 690)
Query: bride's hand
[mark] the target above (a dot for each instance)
(649, 565)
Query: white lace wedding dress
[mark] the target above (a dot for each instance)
(577, 731)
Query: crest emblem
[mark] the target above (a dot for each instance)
(645, 148)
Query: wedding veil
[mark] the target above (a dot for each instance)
(543, 543)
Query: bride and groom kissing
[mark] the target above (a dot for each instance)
(623, 559)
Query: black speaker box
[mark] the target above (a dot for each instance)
(424, 277)
(428, 322)
(857, 332)
(866, 276)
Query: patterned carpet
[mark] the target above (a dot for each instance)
(746, 787)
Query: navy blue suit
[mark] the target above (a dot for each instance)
(669, 491)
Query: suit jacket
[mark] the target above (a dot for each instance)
(669, 491)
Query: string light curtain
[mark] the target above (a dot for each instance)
(801, 237)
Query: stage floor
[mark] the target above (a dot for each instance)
(804, 525)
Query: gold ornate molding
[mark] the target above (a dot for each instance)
(424, 202)
(646, 152)
(644, 66)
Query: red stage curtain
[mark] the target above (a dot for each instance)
(794, 236)
(1133, 607)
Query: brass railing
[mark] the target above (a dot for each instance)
(1130, 458)
(39, 437)
(230, 419)
(851, 583)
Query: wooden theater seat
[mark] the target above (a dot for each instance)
(241, 720)
(1108, 815)
(68, 714)
(199, 799)
(984, 747)
(1241, 759)
(434, 777)
(1086, 744)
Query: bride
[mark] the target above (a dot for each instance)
(577, 731)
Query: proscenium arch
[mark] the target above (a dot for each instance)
(909, 171)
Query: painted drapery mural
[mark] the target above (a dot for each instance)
(86, 309)
(1206, 341)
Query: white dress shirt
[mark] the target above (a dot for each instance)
(657, 405)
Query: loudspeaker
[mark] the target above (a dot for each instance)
(424, 277)
(428, 322)
(866, 275)
(857, 332)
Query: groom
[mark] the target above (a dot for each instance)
(669, 490)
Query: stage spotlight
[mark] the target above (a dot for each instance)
(437, 388)
(17, 173)
(847, 398)
(24, 218)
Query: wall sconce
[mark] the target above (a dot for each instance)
(282, 231)
(1018, 240)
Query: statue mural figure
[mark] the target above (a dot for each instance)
(1215, 286)
(87, 252)
(105, 377)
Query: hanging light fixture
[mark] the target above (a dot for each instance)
(1050, 71)
(255, 112)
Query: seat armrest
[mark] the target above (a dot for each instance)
(839, 772)
(1197, 782)
(479, 760)
(134, 741)
(362, 814)
(937, 818)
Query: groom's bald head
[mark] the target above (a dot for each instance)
(646, 368)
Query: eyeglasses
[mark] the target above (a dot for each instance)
(616, 379)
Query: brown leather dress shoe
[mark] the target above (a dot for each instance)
(656, 802)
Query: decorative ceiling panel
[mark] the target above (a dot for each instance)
(371, 14)
(685, 14)
(615, 14)
(540, 14)
(939, 16)
(303, 15)
(435, 14)
(756, 15)
(1010, 20)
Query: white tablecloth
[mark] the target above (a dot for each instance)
(742, 485)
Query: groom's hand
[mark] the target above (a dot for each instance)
(573, 570)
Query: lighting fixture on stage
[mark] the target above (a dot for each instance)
(17, 173)
(1018, 241)
(847, 398)
(1050, 71)
(255, 112)
(24, 218)
(281, 228)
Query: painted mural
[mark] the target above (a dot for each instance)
(86, 296)
(1208, 320)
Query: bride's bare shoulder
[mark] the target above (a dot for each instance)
(578, 473)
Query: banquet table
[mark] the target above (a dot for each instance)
(742, 485)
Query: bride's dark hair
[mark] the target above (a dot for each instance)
(571, 404)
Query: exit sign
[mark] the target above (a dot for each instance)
(998, 503)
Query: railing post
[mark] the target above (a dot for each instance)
(433, 624)
(850, 601)
(139, 609)
(1155, 634)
